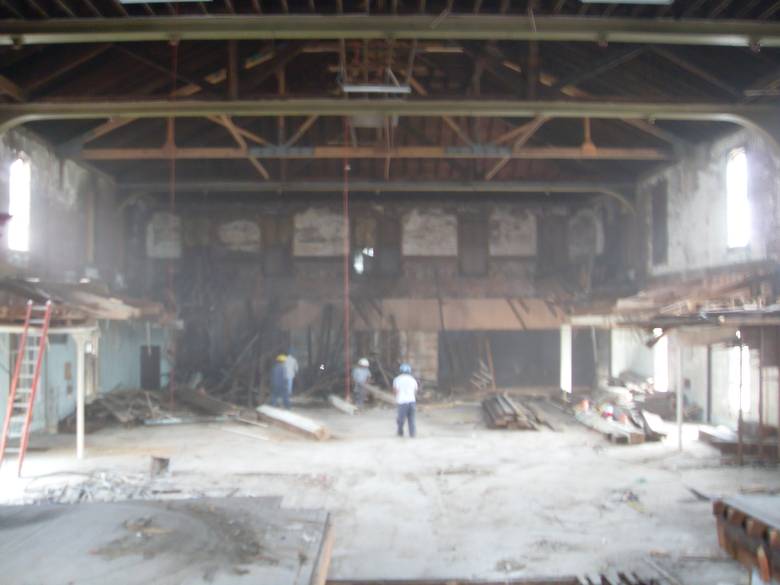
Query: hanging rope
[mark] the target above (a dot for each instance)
(345, 203)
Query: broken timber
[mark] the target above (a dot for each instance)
(293, 422)
(342, 405)
(379, 394)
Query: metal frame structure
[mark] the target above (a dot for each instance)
(749, 115)
(447, 26)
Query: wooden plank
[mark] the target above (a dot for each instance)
(294, 422)
(342, 405)
(380, 394)
(320, 574)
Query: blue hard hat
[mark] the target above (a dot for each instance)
(406, 369)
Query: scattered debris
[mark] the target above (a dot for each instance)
(294, 422)
(127, 407)
(159, 465)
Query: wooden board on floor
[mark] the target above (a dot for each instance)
(379, 394)
(231, 541)
(341, 405)
(293, 422)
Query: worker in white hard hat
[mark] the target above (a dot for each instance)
(405, 387)
(361, 375)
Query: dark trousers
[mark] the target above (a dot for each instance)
(407, 412)
(280, 395)
(360, 395)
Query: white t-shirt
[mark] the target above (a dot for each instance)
(291, 367)
(405, 387)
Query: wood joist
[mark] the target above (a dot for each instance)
(427, 145)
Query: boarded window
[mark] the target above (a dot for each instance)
(277, 235)
(473, 246)
(364, 244)
(660, 225)
(376, 245)
(389, 250)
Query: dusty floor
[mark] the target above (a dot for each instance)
(460, 500)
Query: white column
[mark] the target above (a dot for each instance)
(81, 339)
(566, 368)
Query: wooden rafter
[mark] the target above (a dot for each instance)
(244, 148)
(44, 79)
(187, 90)
(242, 131)
(302, 129)
(520, 141)
(694, 69)
(11, 89)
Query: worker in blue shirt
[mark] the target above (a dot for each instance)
(279, 382)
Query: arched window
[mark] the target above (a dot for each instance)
(19, 206)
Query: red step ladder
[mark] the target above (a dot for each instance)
(27, 372)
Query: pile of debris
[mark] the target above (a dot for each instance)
(503, 412)
(126, 407)
(614, 413)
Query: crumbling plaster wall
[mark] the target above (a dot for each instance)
(629, 352)
(74, 224)
(235, 236)
(696, 209)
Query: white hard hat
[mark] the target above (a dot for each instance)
(363, 362)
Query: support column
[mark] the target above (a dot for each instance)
(679, 395)
(81, 339)
(566, 362)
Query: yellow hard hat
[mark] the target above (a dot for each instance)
(281, 358)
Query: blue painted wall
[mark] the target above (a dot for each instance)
(119, 366)
(120, 353)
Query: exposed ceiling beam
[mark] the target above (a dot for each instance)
(733, 33)
(68, 64)
(744, 114)
(11, 89)
(242, 144)
(371, 152)
(378, 186)
(531, 129)
(699, 72)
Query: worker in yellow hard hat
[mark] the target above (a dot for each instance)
(279, 385)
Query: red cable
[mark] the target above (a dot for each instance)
(347, 360)
(172, 206)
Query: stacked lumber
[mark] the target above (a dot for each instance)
(501, 412)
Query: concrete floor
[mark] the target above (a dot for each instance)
(458, 501)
